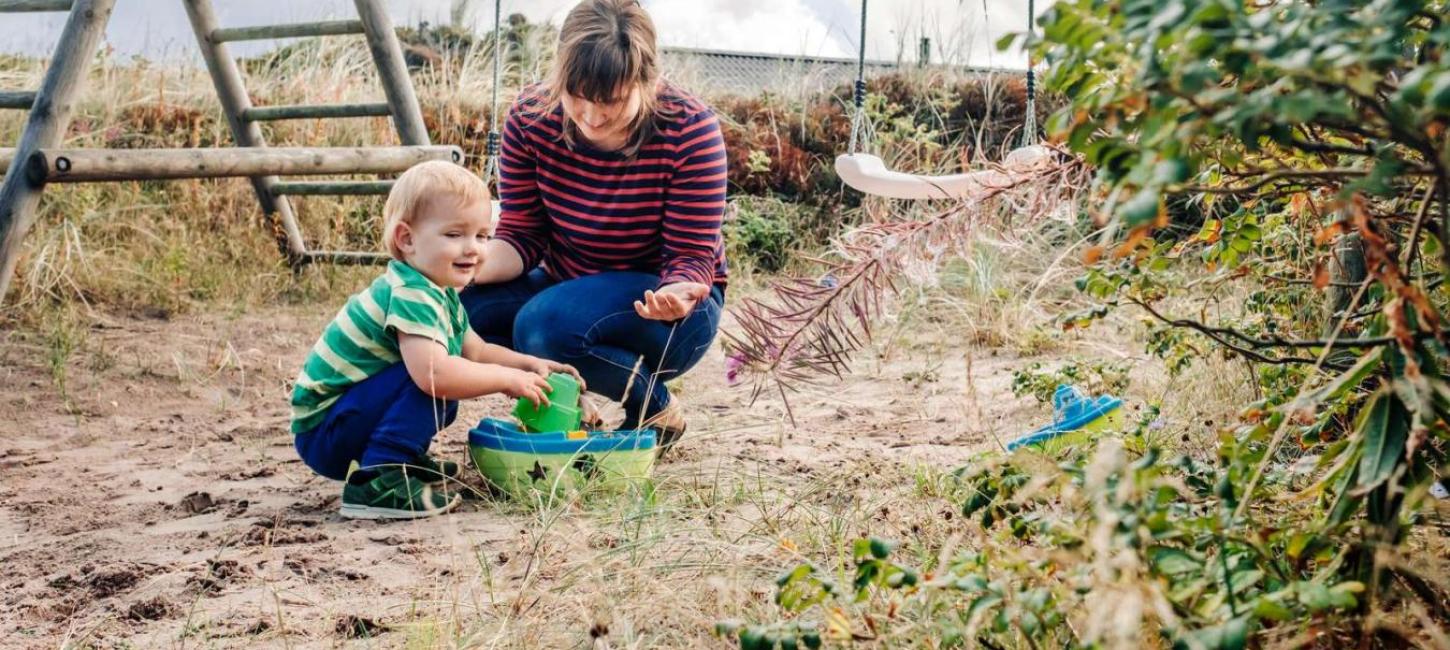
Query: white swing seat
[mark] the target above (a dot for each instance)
(869, 174)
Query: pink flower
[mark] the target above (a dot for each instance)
(734, 364)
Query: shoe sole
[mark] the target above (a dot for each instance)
(353, 511)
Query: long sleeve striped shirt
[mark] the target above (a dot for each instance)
(581, 211)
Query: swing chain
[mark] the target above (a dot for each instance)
(492, 147)
(857, 119)
(1029, 128)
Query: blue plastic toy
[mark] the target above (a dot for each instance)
(1075, 418)
(547, 451)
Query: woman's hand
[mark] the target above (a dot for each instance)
(672, 301)
(545, 367)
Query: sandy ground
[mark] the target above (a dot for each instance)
(156, 501)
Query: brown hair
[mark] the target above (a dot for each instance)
(606, 46)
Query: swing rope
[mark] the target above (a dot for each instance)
(492, 148)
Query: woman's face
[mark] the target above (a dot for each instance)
(604, 124)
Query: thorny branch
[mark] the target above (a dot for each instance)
(808, 328)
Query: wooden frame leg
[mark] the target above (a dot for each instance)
(49, 117)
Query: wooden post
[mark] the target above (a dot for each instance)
(19, 6)
(103, 165)
(49, 118)
(393, 72)
(1347, 270)
(235, 102)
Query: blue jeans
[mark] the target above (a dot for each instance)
(590, 323)
(382, 420)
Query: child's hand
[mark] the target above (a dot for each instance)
(545, 367)
(525, 384)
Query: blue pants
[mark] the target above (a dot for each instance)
(382, 420)
(590, 323)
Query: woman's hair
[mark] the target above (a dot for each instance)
(606, 48)
(434, 180)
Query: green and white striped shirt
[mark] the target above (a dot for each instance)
(363, 339)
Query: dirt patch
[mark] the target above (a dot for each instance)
(358, 627)
(113, 580)
(216, 575)
(206, 508)
(152, 609)
(197, 503)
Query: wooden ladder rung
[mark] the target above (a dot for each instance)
(27, 6)
(295, 30)
(267, 113)
(331, 188)
(21, 99)
(344, 257)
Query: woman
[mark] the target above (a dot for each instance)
(608, 253)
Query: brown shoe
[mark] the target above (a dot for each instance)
(669, 426)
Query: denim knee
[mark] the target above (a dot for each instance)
(545, 329)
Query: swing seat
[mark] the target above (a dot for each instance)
(869, 174)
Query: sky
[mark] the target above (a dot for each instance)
(962, 31)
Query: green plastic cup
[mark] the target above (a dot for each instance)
(562, 413)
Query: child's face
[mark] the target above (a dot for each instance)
(445, 241)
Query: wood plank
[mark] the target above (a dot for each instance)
(308, 112)
(103, 165)
(294, 30)
(17, 99)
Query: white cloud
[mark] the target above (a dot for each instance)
(961, 30)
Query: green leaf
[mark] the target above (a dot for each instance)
(754, 638)
(860, 550)
(1172, 170)
(1269, 607)
(793, 575)
(881, 548)
(1319, 598)
(1231, 635)
(1140, 210)
(1439, 97)
(811, 639)
(1384, 431)
(1005, 43)
(1361, 370)
(1173, 562)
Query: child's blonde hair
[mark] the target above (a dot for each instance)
(428, 181)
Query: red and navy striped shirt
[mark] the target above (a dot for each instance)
(581, 211)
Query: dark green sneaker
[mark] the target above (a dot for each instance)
(431, 470)
(392, 494)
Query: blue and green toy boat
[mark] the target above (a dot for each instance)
(548, 452)
(1076, 419)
